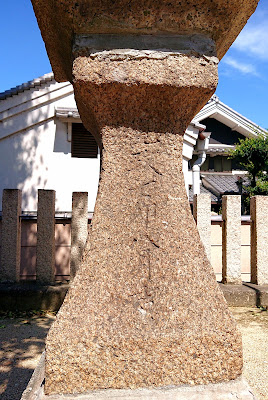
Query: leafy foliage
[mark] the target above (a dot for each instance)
(251, 154)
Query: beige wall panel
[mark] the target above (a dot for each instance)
(62, 260)
(245, 259)
(216, 234)
(28, 262)
(28, 233)
(245, 234)
(216, 259)
(63, 234)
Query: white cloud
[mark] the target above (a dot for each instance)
(241, 67)
(254, 41)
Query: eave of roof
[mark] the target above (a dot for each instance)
(27, 86)
(67, 113)
(218, 110)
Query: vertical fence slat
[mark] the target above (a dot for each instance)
(45, 251)
(259, 239)
(79, 229)
(11, 235)
(202, 216)
(45, 268)
(231, 239)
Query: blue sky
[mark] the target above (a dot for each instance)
(243, 72)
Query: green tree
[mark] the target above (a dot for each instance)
(251, 154)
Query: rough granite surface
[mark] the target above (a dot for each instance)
(259, 239)
(202, 216)
(128, 318)
(10, 236)
(45, 248)
(147, 94)
(79, 229)
(59, 21)
(128, 321)
(231, 239)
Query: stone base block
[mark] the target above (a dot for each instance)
(237, 389)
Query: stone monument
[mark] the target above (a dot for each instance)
(144, 310)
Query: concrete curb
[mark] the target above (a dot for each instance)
(31, 296)
(34, 389)
(26, 296)
(236, 390)
(245, 295)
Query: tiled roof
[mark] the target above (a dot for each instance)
(203, 190)
(28, 85)
(220, 149)
(220, 184)
(217, 185)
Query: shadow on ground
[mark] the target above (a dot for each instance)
(22, 338)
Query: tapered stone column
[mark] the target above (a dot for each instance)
(145, 284)
(144, 309)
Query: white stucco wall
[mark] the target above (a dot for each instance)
(39, 157)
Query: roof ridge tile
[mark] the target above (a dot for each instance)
(27, 85)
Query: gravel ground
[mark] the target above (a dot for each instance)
(253, 324)
(23, 336)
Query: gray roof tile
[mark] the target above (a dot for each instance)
(220, 184)
(203, 190)
(217, 185)
(27, 85)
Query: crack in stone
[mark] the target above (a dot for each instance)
(155, 170)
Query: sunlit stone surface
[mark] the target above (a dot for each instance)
(144, 309)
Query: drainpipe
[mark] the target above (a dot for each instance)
(201, 147)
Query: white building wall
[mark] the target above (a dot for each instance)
(39, 157)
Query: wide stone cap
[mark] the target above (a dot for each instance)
(61, 20)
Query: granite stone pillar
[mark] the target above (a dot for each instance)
(11, 235)
(139, 312)
(138, 327)
(79, 229)
(231, 239)
(259, 239)
(45, 249)
(202, 216)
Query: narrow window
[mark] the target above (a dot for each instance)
(83, 143)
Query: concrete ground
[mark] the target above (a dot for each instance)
(23, 336)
